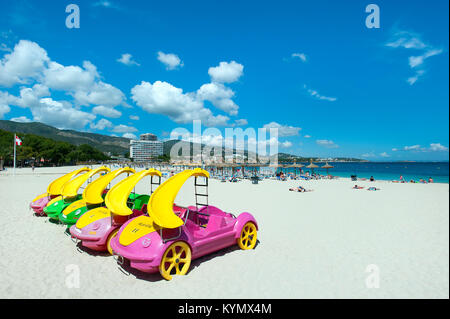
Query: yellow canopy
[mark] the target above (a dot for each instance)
(116, 199)
(71, 189)
(160, 206)
(55, 187)
(93, 192)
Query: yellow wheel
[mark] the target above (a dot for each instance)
(248, 236)
(108, 241)
(176, 258)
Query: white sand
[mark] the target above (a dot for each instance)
(312, 245)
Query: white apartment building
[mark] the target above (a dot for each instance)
(145, 150)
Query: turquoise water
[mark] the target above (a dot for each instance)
(389, 171)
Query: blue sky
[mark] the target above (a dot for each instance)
(331, 85)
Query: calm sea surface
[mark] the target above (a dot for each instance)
(389, 171)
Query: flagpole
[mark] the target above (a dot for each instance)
(14, 170)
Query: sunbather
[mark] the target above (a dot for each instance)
(357, 187)
(300, 189)
(373, 189)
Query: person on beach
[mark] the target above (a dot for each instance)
(430, 180)
(372, 179)
(373, 189)
(357, 187)
(300, 189)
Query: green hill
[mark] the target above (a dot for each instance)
(104, 143)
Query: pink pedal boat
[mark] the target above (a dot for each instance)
(54, 190)
(170, 236)
(97, 227)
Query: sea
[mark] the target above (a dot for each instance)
(438, 171)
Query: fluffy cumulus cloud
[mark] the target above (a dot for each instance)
(226, 72)
(164, 98)
(438, 147)
(127, 59)
(184, 107)
(412, 41)
(283, 130)
(220, 96)
(60, 114)
(29, 66)
(107, 111)
(21, 119)
(101, 125)
(170, 60)
(134, 117)
(327, 143)
(121, 128)
(25, 62)
(130, 136)
(241, 122)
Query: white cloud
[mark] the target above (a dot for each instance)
(411, 148)
(60, 114)
(134, 117)
(164, 98)
(21, 119)
(301, 56)
(415, 61)
(46, 110)
(124, 129)
(367, 155)
(283, 130)
(307, 136)
(384, 154)
(286, 144)
(69, 78)
(170, 60)
(241, 122)
(107, 111)
(101, 125)
(413, 79)
(130, 136)
(226, 72)
(219, 95)
(3, 110)
(25, 62)
(412, 41)
(327, 143)
(4, 47)
(127, 59)
(318, 96)
(407, 40)
(438, 147)
(105, 4)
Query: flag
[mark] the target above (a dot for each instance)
(18, 141)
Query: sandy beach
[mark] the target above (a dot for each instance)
(311, 245)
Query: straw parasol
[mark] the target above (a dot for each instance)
(312, 166)
(327, 166)
(295, 166)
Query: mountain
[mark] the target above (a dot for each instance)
(120, 145)
(104, 143)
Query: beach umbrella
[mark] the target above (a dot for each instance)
(295, 166)
(312, 166)
(327, 166)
